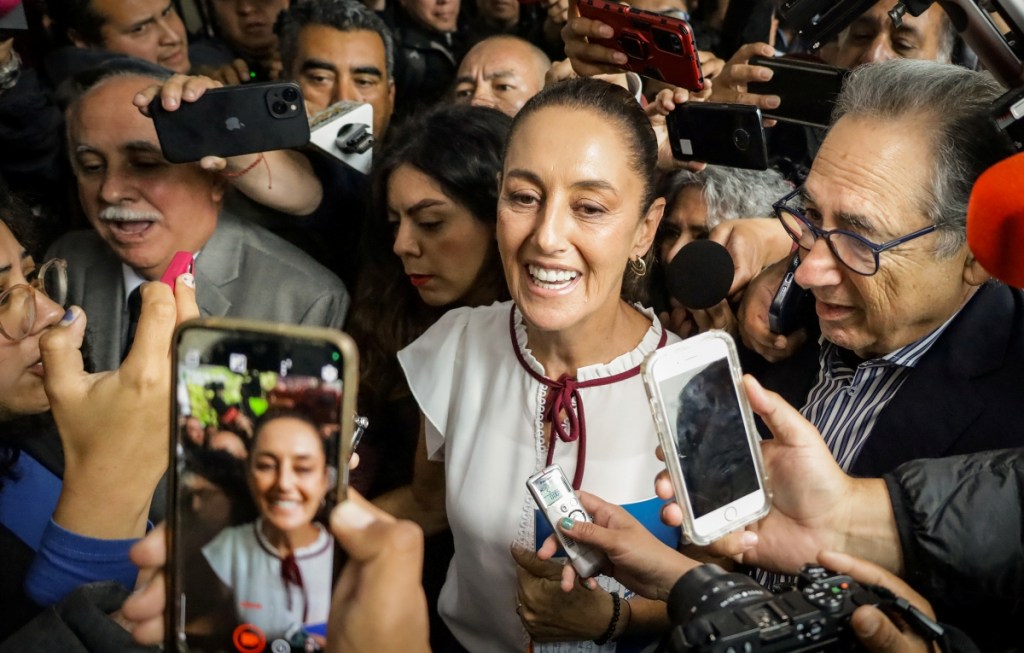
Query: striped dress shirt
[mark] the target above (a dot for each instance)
(846, 400)
(850, 393)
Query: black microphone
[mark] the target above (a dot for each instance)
(700, 274)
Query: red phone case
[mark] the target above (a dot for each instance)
(180, 264)
(658, 46)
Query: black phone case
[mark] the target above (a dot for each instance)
(233, 120)
(792, 306)
(720, 134)
(808, 90)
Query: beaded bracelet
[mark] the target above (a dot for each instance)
(616, 610)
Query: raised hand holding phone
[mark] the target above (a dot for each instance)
(262, 569)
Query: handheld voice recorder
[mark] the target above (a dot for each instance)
(553, 493)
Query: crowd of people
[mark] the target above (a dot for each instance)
(502, 269)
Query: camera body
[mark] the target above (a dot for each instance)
(718, 612)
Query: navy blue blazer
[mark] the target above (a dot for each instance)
(965, 395)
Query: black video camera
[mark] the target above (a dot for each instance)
(719, 612)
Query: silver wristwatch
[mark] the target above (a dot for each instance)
(10, 72)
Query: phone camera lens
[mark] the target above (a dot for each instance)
(279, 108)
(633, 47)
(290, 95)
(667, 41)
(741, 139)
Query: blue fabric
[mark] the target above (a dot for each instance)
(646, 512)
(28, 499)
(66, 560)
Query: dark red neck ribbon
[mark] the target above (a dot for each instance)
(561, 397)
(290, 574)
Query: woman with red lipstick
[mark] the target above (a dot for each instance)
(429, 246)
(72, 501)
(551, 377)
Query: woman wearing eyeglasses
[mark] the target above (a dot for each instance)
(75, 484)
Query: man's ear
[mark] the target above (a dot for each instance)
(218, 186)
(974, 274)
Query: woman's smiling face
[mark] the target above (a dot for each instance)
(569, 217)
(288, 474)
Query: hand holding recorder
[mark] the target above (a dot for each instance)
(754, 313)
(635, 557)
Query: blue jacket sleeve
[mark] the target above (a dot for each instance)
(66, 560)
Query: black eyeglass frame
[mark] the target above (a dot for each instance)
(876, 249)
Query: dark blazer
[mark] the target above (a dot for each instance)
(964, 396)
(242, 271)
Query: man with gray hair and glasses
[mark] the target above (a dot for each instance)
(921, 352)
(921, 355)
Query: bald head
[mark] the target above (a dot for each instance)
(502, 72)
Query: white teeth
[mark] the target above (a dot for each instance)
(547, 278)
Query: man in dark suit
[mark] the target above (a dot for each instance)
(921, 355)
(145, 209)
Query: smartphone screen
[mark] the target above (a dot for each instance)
(261, 420)
(711, 443)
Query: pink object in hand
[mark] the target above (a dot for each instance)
(7, 5)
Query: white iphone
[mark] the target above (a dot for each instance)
(553, 493)
(706, 429)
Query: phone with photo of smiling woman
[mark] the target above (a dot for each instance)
(263, 417)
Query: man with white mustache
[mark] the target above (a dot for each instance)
(145, 209)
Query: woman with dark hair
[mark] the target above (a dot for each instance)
(551, 377)
(429, 247)
(278, 568)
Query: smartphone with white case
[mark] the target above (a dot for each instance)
(707, 433)
(553, 493)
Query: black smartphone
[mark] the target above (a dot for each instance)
(792, 306)
(720, 134)
(808, 89)
(819, 21)
(262, 421)
(233, 120)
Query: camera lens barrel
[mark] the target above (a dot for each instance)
(707, 588)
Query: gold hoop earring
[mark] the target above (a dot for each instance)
(638, 266)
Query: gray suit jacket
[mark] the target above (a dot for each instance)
(243, 271)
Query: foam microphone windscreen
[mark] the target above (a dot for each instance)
(700, 274)
(995, 220)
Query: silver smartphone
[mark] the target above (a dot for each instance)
(706, 429)
(553, 493)
(263, 420)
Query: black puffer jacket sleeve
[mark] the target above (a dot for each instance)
(961, 526)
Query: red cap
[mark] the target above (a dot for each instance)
(995, 220)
